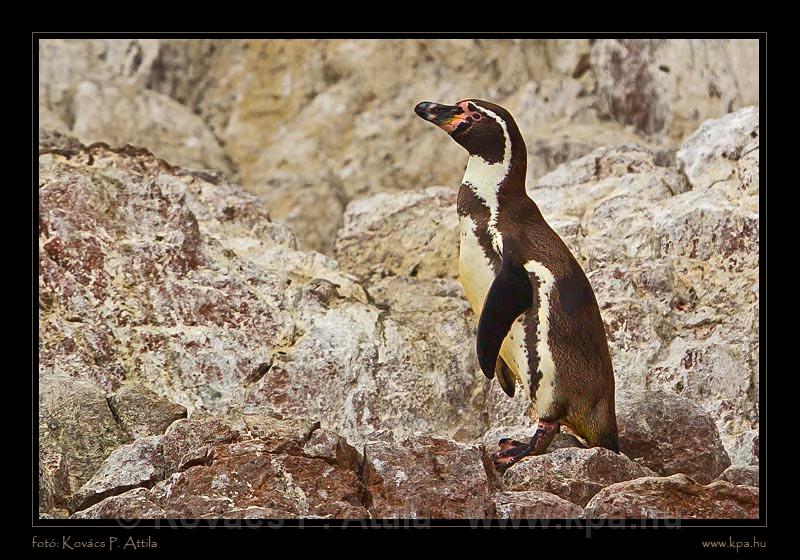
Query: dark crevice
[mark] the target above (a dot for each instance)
(118, 420)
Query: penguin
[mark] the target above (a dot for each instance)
(539, 324)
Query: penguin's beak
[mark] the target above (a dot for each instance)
(446, 117)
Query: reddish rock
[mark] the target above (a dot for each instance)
(245, 474)
(676, 497)
(181, 279)
(133, 504)
(428, 477)
(191, 441)
(534, 505)
(215, 470)
(281, 436)
(573, 473)
(333, 449)
(130, 281)
(670, 434)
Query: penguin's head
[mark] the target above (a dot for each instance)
(482, 128)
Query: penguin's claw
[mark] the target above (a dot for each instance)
(510, 453)
(508, 443)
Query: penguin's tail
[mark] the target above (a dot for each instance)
(609, 440)
(603, 430)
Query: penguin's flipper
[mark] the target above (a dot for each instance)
(510, 295)
(505, 377)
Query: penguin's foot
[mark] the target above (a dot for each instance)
(508, 443)
(512, 451)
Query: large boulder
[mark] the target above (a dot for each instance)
(407, 234)
(153, 266)
(670, 434)
(572, 473)
(364, 368)
(428, 477)
(207, 467)
(130, 283)
(674, 497)
(137, 464)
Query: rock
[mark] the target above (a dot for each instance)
(723, 150)
(245, 474)
(65, 63)
(670, 434)
(76, 423)
(255, 472)
(191, 441)
(668, 87)
(674, 497)
(534, 505)
(364, 368)
(312, 206)
(407, 234)
(54, 485)
(297, 431)
(133, 504)
(334, 449)
(741, 475)
(141, 412)
(129, 281)
(427, 477)
(745, 449)
(137, 464)
(125, 114)
(572, 473)
(623, 171)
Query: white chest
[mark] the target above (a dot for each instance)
(477, 276)
(475, 268)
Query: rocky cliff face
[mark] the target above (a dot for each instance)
(199, 359)
(291, 119)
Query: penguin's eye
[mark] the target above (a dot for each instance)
(476, 116)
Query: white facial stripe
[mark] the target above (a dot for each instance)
(543, 399)
(484, 178)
